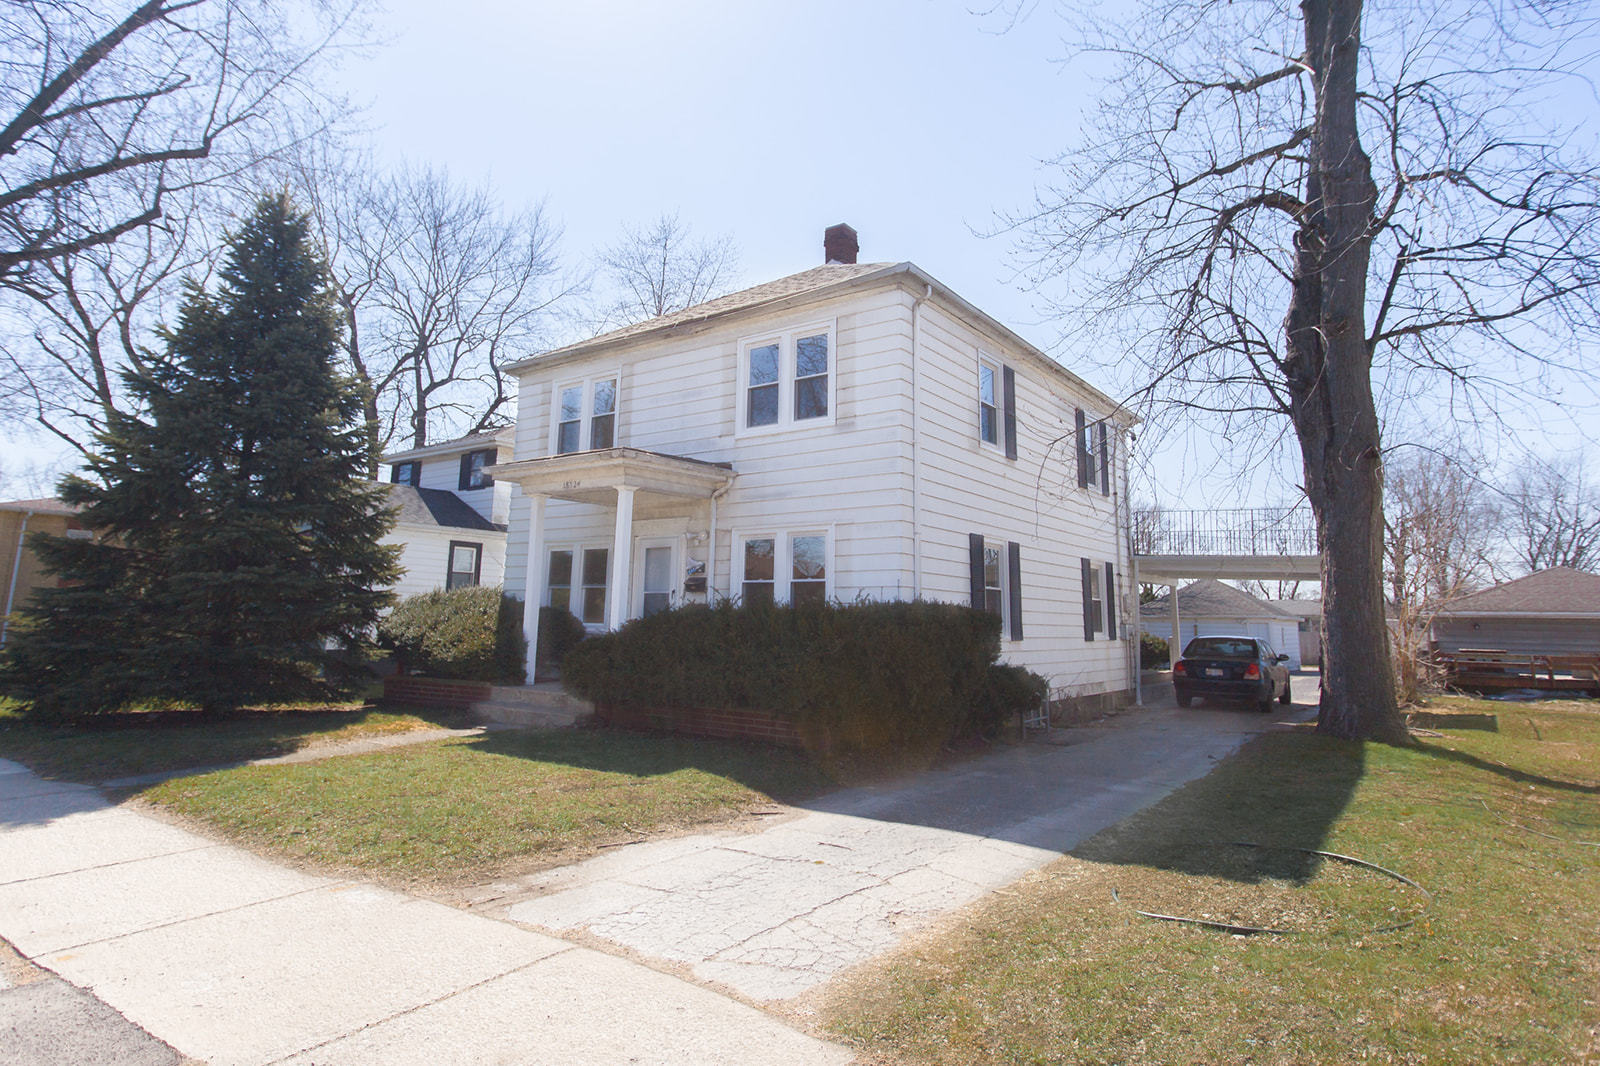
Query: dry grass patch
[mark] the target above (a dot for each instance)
(1501, 965)
(461, 812)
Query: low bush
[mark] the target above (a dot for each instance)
(889, 681)
(1010, 690)
(1154, 653)
(465, 634)
(559, 633)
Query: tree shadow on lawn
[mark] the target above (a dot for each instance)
(116, 746)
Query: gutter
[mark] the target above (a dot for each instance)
(16, 568)
(916, 451)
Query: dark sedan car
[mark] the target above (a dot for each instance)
(1231, 668)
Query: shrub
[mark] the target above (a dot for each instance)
(468, 634)
(1154, 653)
(1008, 690)
(559, 633)
(891, 681)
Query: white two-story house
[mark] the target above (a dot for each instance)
(854, 431)
(450, 515)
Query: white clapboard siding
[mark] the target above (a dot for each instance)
(854, 475)
(425, 556)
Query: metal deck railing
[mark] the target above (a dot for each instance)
(1237, 531)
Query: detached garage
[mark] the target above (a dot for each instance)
(1551, 612)
(1210, 608)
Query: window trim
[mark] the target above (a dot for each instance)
(587, 414)
(450, 563)
(787, 340)
(414, 465)
(782, 560)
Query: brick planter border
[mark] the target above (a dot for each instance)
(703, 722)
(435, 692)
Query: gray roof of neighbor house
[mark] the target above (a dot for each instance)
(499, 434)
(436, 507)
(814, 283)
(45, 506)
(1558, 590)
(1298, 608)
(1208, 598)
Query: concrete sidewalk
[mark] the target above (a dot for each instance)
(776, 913)
(232, 960)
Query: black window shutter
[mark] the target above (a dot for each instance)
(1105, 459)
(975, 564)
(1014, 563)
(1008, 389)
(1088, 599)
(1083, 449)
(465, 481)
(1111, 602)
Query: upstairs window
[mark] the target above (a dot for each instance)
(472, 466)
(988, 407)
(997, 406)
(585, 416)
(1094, 452)
(786, 380)
(409, 473)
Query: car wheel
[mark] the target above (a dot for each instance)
(1286, 698)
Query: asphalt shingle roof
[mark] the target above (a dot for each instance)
(435, 507)
(1207, 598)
(45, 506)
(793, 285)
(1558, 590)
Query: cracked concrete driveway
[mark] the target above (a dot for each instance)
(772, 914)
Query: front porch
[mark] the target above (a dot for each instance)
(623, 479)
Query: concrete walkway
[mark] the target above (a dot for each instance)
(233, 960)
(773, 914)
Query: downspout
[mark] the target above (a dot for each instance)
(1136, 645)
(711, 549)
(16, 568)
(916, 452)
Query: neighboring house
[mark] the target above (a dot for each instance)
(1210, 608)
(1550, 612)
(1309, 612)
(451, 515)
(20, 569)
(853, 431)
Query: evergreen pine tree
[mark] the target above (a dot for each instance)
(239, 559)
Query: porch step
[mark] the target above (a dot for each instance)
(545, 707)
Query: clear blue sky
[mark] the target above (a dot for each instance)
(916, 121)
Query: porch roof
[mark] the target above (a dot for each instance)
(595, 476)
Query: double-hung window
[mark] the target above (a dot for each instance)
(409, 473)
(997, 406)
(1099, 599)
(472, 467)
(996, 575)
(1094, 452)
(787, 380)
(466, 563)
(782, 567)
(585, 417)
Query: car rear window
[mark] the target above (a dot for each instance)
(1220, 648)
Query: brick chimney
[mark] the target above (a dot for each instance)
(839, 244)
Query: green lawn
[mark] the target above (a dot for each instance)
(124, 745)
(1498, 818)
(464, 811)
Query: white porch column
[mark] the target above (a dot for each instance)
(621, 560)
(533, 582)
(1177, 637)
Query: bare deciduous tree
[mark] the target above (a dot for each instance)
(660, 268)
(1226, 228)
(1555, 515)
(126, 129)
(1441, 530)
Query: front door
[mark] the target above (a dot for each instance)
(655, 585)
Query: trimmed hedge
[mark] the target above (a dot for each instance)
(889, 680)
(559, 632)
(466, 634)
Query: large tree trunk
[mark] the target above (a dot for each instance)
(1330, 386)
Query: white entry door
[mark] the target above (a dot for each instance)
(655, 586)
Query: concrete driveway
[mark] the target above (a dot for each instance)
(772, 914)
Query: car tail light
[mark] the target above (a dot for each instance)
(1179, 670)
(1252, 672)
